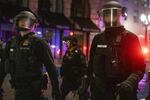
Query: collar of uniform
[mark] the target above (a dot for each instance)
(26, 36)
(113, 31)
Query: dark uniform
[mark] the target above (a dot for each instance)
(116, 63)
(25, 57)
(72, 70)
(2, 72)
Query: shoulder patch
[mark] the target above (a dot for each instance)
(26, 43)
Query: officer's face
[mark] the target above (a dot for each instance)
(111, 17)
(68, 44)
(24, 23)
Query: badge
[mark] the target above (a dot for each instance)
(26, 43)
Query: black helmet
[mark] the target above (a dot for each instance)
(112, 4)
(111, 13)
(72, 39)
(28, 16)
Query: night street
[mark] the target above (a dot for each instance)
(101, 43)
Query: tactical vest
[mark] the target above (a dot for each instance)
(23, 62)
(109, 58)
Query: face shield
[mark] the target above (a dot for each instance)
(24, 23)
(112, 17)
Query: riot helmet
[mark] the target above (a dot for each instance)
(111, 13)
(71, 41)
(25, 21)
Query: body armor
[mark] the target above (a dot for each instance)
(23, 64)
(108, 60)
(72, 71)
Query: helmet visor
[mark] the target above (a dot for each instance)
(111, 17)
(24, 22)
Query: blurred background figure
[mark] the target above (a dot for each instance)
(73, 68)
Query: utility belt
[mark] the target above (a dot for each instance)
(37, 82)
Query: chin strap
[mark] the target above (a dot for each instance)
(22, 29)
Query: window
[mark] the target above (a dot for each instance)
(44, 5)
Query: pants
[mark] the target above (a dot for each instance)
(98, 94)
(67, 86)
(28, 90)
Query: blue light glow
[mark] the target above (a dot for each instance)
(39, 32)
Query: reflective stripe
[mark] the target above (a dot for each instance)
(101, 46)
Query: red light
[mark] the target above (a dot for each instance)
(145, 50)
(71, 33)
(84, 48)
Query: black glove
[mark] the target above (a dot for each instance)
(1, 94)
(55, 93)
(129, 84)
(124, 90)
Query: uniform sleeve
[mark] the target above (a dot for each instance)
(137, 58)
(2, 70)
(45, 56)
(5, 56)
(137, 62)
(92, 54)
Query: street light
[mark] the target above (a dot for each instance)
(146, 21)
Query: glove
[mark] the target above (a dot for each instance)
(124, 91)
(129, 84)
(1, 94)
(55, 93)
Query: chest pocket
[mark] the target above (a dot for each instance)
(20, 54)
(23, 51)
(99, 59)
(20, 50)
(113, 63)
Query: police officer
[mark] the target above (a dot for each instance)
(2, 72)
(116, 61)
(25, 56)
(73, 67)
